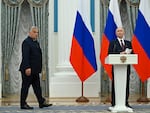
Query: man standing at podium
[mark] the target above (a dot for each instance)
(120, 46)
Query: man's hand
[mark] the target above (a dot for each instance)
(28, 71)
(123, 52)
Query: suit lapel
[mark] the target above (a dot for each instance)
(118, 44)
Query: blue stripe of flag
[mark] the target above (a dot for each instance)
(142, 33)
(85, 40)
(110, 27)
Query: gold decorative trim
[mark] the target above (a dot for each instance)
(123, 59)
(43, 75)
(6, 73)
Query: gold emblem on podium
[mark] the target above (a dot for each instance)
(123, 59)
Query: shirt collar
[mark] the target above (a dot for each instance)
(120, 40)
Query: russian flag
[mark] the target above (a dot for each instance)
(82, 56)
(141, 40)
(113, 21)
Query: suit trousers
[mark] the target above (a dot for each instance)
(127, 87)
(33, 80)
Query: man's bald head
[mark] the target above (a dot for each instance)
(120, 32)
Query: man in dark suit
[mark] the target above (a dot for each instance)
(120, 46)
(30, 68)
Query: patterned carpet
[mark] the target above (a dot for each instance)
(144, 108)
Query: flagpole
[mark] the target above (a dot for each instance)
(82, 98)
(143, 98)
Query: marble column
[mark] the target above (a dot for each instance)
(63, 81)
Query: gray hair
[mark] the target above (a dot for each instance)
(33, 27)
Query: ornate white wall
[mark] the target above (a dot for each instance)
(63, 81)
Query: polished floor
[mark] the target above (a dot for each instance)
(10, 104)
(14, 100)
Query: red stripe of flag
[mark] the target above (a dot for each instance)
(79, 62)
(104, 53)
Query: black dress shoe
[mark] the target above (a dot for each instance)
(128, 105)
(26, 107)
(44, 105)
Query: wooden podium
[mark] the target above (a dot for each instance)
(120, 62)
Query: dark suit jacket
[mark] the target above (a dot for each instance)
(115, 47)
(31, 56)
